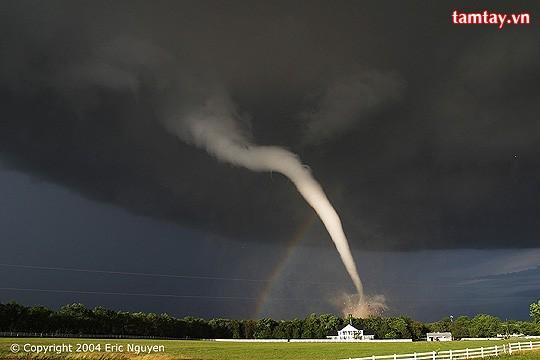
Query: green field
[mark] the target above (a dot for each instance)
(533, 355)
(209, 350)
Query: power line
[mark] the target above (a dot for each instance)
(394, 284)
(207, 297)
(227, 298)
(128, 273)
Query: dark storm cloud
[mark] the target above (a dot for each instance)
(348, 100)
(424, 135)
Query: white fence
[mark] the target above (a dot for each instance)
(313, 340)
(460, 354)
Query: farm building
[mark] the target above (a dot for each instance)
(349, 332)
(439, 336)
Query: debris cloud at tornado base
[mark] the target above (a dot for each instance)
(361, 306)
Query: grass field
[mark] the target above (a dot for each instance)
(209, 350)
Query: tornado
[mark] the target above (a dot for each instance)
(215, 127)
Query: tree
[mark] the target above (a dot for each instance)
(236, 329)
(418, 330)
(328, 325)
(13, 317)
(311, 327)
(76, 318)
(377, 326)
(105, 320)
(282, 330)
(39, 318)
(265, 328)
(164, 325)
(249, 328)
(535, 311)
(297, 326)
(221, 328)
(197, 328)
(523, 327)
(460, 327)
(442, 325)
(485, 326)
(398, 329)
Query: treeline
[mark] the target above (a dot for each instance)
(78, 319)
(484, 326)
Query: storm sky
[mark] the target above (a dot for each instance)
(424, 135)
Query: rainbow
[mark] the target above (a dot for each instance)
(298, 236)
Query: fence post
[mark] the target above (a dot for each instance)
(482, 351)
(395, 356)
(519, 346)
(467, 353)
(450, 353)
(414, 356)
(496, 351)
(531, 344)
(434, 356)
(510, 349)
(373, 357)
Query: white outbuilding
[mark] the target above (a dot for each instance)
(439, 336)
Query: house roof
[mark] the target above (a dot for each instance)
(349, 327)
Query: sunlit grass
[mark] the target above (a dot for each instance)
(211, 350)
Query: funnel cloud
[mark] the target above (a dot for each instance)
(213, 127)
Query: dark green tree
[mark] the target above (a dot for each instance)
(249, 329)
(485, 326)
(443, 325)
(310, 328)
(265, 328)
(297, 328)
(460, 327)
(417, 329)
(329, 324)
(535, 311)
(14, 317)
(236, 329)
(76, 319)
(221, 328)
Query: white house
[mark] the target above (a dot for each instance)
(349, 332)
(439, 336)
